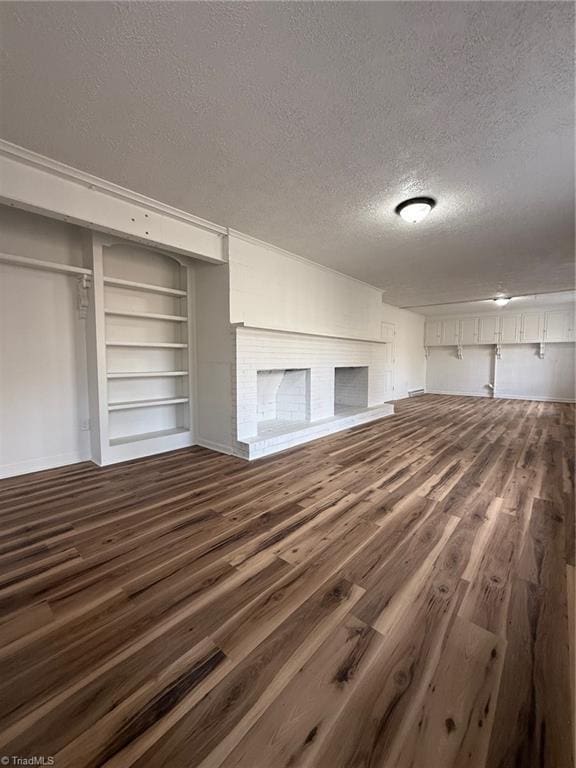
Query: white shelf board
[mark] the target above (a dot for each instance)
(148, 436)
(134, 286)
(146, 315)
(49, 266)
(145, 374)
(128, 405)
(148, 344)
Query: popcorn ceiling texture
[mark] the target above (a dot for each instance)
(304, 124)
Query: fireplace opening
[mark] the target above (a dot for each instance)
(283, 396)
(350, 389)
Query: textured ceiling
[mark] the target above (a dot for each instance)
(305, 124)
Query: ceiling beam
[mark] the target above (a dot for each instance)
(36, 183)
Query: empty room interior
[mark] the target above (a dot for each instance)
(287, 384)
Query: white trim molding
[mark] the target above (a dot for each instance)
(321, 334)
(502, 396)
(535, 398)
(218, 447)
(458, 393)
(42, 463)
(39, 184)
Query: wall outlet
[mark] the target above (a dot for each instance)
(85, 425)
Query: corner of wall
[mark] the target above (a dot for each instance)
(215, 354)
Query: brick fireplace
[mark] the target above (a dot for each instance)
(291, 387)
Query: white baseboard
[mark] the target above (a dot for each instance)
(45, 462)
(501, 396)
(219, 447)
(536, 398)
(457, 394)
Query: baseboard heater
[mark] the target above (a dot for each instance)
(415, 392)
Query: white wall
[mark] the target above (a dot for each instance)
(409, 358)
(215, 358)
(520, 373)
(446, 374)
(43, 381)
(27, 234)
(270, 288)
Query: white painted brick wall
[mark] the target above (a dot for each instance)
(258, 350)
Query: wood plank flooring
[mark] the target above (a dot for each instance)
(395, 596)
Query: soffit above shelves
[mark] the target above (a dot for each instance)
(36, 183)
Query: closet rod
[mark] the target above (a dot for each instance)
(50, 266)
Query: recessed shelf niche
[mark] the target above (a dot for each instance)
(146, 345)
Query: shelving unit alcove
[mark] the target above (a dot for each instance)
(140, 350)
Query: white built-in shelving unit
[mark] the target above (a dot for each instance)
(143, 351)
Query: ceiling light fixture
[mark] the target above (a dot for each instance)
(501, 301)
(415, 209)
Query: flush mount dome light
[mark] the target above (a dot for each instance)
(416, 209)
(501, 301)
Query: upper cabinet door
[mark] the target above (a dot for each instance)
(552, 325)
(489, 329)
(432, 335)
(532, 327)
(510, 331)
(469, 330)
(557, 325)
(450, 331)
(571, 325)
(387, 331)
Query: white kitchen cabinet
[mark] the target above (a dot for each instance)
(450, 332)
(433, 333)
(532, 327)
(468, 331)
(558, 325)
(489, 329)
(510, 329)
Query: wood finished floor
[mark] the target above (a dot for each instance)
(396, 595)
